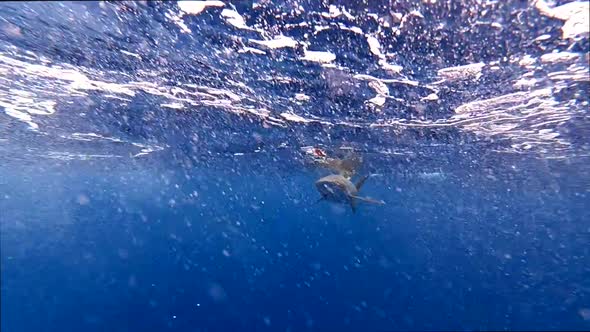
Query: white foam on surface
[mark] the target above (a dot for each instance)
(251, 50)
(234, 18)
(466, 72)
(319, 56)
(197, 7)
(135, 55)
(39, 88)
(176, 106)
(560, 57)
(278, 42)
(574, 14)
(302, 97)
(374, 45)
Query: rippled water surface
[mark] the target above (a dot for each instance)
(158, 160)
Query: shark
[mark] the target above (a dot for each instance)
(339, 187)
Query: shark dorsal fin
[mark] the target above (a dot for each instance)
(360, 182)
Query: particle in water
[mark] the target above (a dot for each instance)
(257, 137)
(82, 199)
(217, 292)
(225, 253)
(11, 30)
(132, 281)
(123, 253)
(431, 97)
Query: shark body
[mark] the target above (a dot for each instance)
(340, 189)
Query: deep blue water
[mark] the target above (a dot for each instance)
(120, 213)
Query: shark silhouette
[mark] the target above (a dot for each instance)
(339, 187)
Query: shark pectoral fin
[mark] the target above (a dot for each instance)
(360, 183)
(369, 200)
(320, 199)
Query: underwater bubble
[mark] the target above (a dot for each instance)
(217, 292)
(82, 199)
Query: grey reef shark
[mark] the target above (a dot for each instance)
(339, 187)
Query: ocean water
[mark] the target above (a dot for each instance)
(158, 161)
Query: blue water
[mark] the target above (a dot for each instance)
(120, 213)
